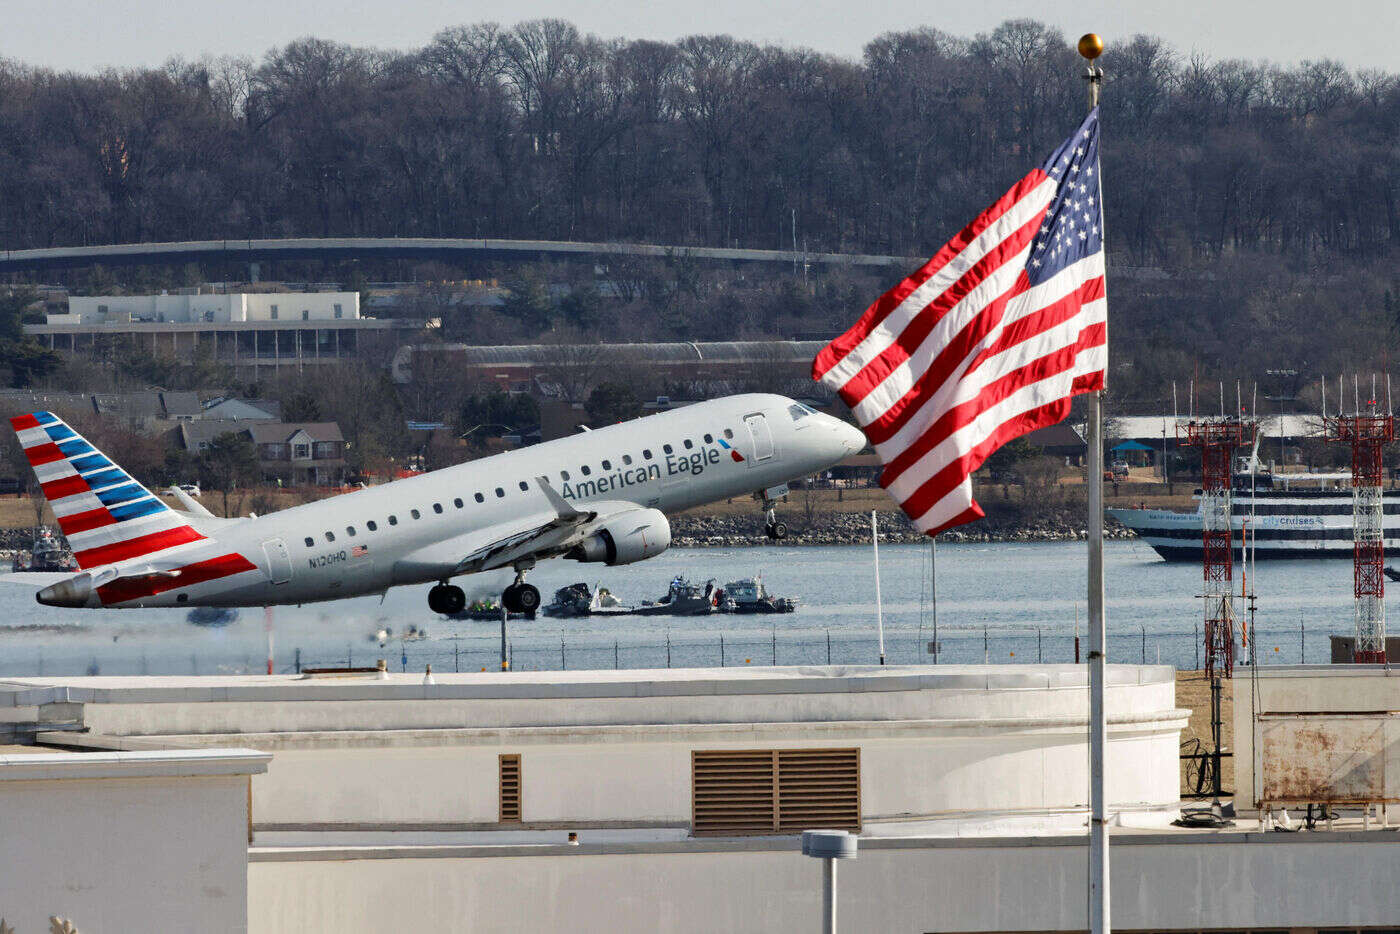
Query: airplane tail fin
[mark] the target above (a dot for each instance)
(106, 515)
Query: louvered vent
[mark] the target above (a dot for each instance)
(510, 789)
(818, 788)
(750, 791)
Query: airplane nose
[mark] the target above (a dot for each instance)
(72, 592)
(852, 437)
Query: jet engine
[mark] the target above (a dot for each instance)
(631, 536)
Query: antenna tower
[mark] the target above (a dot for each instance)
(1367, 432)
(1217, 438)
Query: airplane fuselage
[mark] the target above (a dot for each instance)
(418, 529)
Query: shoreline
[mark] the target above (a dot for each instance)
(848, 528)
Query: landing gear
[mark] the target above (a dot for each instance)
(447, 599)
(774, 529)
(521, 597)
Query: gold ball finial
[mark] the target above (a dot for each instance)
(1090, 45)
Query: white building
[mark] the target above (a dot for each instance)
(230, 307)
(405, 803)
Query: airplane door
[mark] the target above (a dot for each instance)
(762, 438)
(279, 563)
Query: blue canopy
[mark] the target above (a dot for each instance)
(1131, 446)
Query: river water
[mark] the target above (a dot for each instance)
(1005, 603)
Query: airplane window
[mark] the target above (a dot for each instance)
(457, 502)
(393, 520)
(666, 448)
(414, 513)
(586, 470)
(607, 465)
(437, 508)
(729, 433)
(524, 486)
(646, 453)
(330, 536)
(350, 530)
(564, 475)
(480, 498)
(500, 492)
(371, 526)
(709, 439)
(627, 458)
(688, 444)
(798, 411)
(310, 542)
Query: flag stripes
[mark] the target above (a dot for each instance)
(987, 341)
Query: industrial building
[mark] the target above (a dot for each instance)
(524, 367)
(249, 331)
(368, 801)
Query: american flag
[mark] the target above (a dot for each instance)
(987, 341)
(359, 551)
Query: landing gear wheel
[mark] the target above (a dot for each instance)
(447, 599)
(521, 598)
(776, 530)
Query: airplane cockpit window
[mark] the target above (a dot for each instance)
(437, 508)
(480, 498)
(350, 530)
(371, 525)
(330, 536)
(799, 412)
(414, 514)
(310, 542)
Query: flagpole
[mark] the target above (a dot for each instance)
(1091, 46)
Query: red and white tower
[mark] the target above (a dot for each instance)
(1217, 438)
(1368, 433)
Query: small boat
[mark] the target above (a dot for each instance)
(46, 554)
(487, 609)
(211, 616)
(682, 599)
(411, 634)
(577, 600)
(748, 595)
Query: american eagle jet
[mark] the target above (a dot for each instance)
(597, 496)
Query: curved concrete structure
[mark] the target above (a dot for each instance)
(953, 749)
(119, 254)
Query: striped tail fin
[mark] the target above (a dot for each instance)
(105, 514)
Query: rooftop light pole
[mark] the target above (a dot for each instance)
(829, 846)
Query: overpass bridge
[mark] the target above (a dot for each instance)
(423, 248)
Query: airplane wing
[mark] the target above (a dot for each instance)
(557, 533)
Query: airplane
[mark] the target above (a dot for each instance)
(597, 496)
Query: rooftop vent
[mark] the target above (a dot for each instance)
(751, 791)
